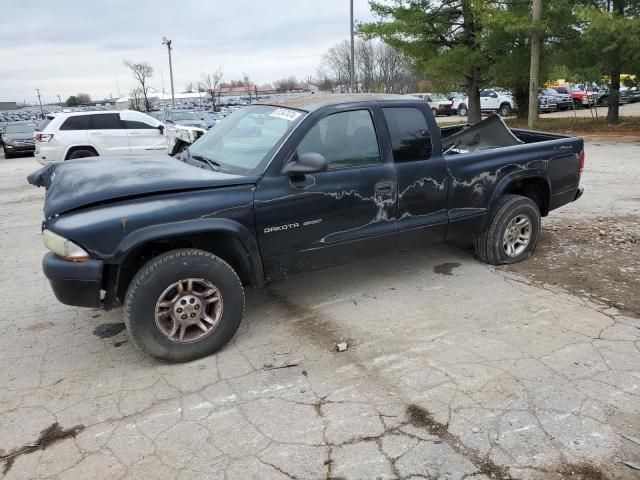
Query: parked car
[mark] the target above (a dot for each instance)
(581, 95)
(459, 103)
(546, 103)
(183, 117)
(438, 102)
(175, 241)
(563, 100)
(499, 101)
(68, 136)
(17, 138)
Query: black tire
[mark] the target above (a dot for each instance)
(462, 110)
(82, 153)
(7, 154)
(489, 245)
(151, 282)
(505, 110)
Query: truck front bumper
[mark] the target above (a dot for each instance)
(74, 283)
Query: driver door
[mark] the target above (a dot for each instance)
(330, 217)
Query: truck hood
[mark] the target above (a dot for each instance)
(83, 182)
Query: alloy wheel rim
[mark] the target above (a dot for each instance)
(188, 310)
(517, 236)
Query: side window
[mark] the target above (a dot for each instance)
(131, 124)
(484, 93)
(409, 132)
(346, 139)
(104, 121)
(77, 122)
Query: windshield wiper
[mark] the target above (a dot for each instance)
(215, 166)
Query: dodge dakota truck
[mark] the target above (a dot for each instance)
(283, 187)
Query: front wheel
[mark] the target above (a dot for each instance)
(505, 110)
(462, 110)
(6, 154)
(513, 232)
(184, 304)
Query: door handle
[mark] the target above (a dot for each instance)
(384, 187)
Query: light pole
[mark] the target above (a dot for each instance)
(167, 42)
(40, 101)
(352, 72)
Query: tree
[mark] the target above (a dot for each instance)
(378, 68)
(189, 88)
(444, 38)
(507, 34)
(142, 72)
(610, 44)
(84, 98)
(211, 82)
(247, 84)
(135, 98)
(286, 84)
(72, 101)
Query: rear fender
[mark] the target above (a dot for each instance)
(507, 182)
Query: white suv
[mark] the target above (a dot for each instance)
(88, 134)
(497, 101)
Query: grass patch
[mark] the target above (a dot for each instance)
(628, 126)
(587, 126)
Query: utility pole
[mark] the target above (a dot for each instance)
(40, 102)
(59, 99)
(352, 72)
(167, 42)
(534, 71)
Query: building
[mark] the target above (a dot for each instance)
(8, 106)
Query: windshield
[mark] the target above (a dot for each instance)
(184, 116)
(247, 138)
(438, 97)
(20, 128)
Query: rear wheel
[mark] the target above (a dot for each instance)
(513, 232)
(82, 153)
(7, 154)
(462, 110)
(184, 304)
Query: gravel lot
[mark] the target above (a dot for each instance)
(454, 369)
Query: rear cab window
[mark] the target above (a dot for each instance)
(410, 138)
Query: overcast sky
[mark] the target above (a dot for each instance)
(69, 46)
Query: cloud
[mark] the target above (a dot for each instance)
(74, 46)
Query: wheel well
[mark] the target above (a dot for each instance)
(221, 244)
(505, 104)
(80, 147)
(535, 188)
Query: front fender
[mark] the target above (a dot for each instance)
(244, 241)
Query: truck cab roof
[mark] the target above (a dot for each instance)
(312, 102)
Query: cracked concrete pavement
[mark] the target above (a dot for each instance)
(467, 373)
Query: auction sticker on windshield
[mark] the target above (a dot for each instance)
(285, 114)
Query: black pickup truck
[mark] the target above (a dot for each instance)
(274, 189)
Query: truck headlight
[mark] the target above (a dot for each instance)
(63, 248)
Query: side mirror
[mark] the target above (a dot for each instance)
(494, 95)
(310, 162)
(160, 129)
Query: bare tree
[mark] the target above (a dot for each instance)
(286, 84)
(142, 72)
(379, 68)
(247, 84)
(189, 88)
(135, 97)
(212, 82)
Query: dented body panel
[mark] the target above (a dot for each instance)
(273, 225)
